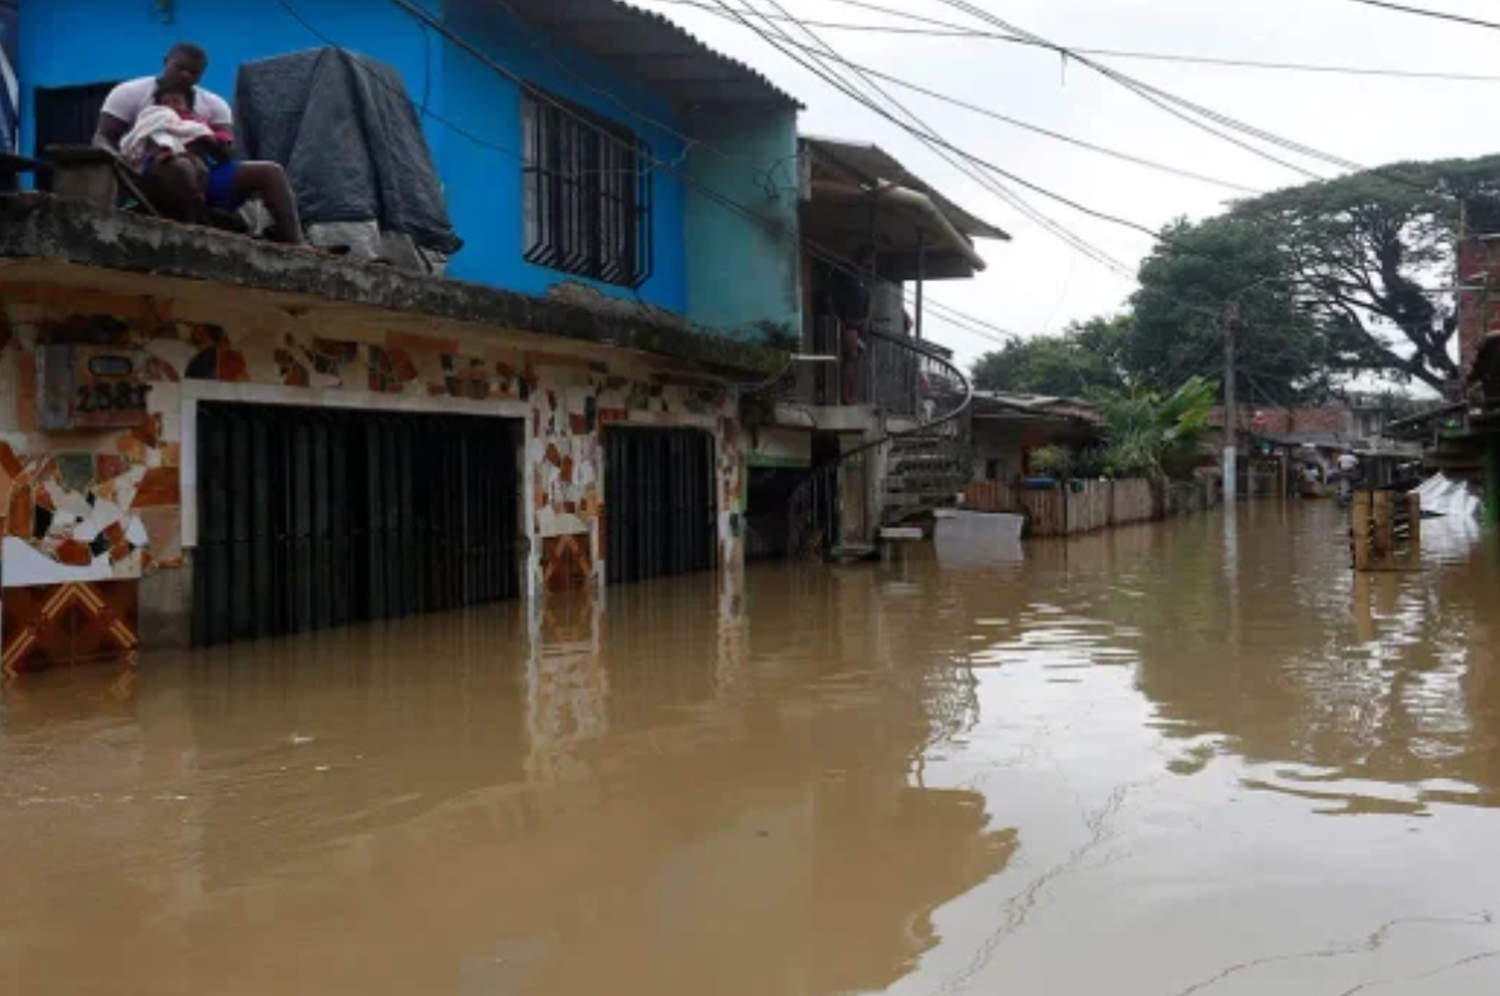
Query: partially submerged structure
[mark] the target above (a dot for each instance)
(583, 375)
(207, 438)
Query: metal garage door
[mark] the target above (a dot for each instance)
(312, 518)
(659, 505)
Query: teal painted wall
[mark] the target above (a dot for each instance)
(744, 276)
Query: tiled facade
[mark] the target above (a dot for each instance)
(117, 505)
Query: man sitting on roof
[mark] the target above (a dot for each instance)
(186, 184)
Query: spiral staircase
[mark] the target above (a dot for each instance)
(920, 453)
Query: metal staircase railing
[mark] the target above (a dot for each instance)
(917, 388)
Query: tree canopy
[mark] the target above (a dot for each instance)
(1331, 280)
(1185, 283)
(1084, 361)
(1373, 254)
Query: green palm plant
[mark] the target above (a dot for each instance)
(1145, 434)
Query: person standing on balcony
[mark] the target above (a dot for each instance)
(849, 295)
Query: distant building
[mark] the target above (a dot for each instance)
(1008, 428)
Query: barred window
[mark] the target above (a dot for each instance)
(588, 193)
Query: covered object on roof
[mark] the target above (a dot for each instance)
(349, 138)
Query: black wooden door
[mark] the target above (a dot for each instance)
(67, 115)
(310, 518)
(659, 503)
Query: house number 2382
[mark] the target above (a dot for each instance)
(121, 396)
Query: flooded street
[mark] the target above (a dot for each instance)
(1196, 757)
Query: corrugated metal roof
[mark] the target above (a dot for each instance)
(874, 163)
(1040, 406)
(645, 46)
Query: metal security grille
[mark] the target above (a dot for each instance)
(659, 505)
(587, 194)
(310, 518)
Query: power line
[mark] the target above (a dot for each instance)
(955, 31)
(1151, 93)
(925, 135)
(1159, 98)
(1440, 15)
(929, 136)
(1037, 129)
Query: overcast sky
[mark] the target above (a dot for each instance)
(1036, 284)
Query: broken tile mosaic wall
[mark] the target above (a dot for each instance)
(105, 505)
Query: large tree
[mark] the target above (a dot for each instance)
(1084, 361)
(1179, 314)
(1373, 254)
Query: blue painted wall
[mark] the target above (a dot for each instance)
(486, 184)
(741, 280)
(745, 278)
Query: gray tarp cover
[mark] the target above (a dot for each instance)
(347, 134)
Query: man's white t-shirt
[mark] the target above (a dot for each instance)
(128, 100)
(1348, 462)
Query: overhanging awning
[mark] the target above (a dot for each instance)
(860, 193)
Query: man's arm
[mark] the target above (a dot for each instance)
(108, 132)
(220, 118)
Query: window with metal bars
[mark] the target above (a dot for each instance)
(588, 193)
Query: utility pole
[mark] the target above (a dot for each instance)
(1229, 318)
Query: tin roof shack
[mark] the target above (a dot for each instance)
(174, 401)
(1008, 428)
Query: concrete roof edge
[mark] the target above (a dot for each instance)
(40, 226)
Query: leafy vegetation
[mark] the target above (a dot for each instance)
(1333, 280)
(1083, 362)
(1153, 436)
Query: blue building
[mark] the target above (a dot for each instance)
(692, 249)
(209, 438)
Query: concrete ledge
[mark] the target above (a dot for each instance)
(824, 418)
(40, 226)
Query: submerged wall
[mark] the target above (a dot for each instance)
(94, 521)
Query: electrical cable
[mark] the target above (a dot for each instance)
(938, 140)
(422, 110)
(949, 29)
(1152, 93)
(988, 182)
(1158, 98)
(1027, 126)
(920, 132)
(1440, 15)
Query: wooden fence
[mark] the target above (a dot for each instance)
(1080, 507)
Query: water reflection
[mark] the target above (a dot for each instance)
(1110, 766)
(645, 792)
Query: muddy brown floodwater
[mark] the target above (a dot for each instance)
(1194, 758)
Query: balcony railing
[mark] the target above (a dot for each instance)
(898, 375)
